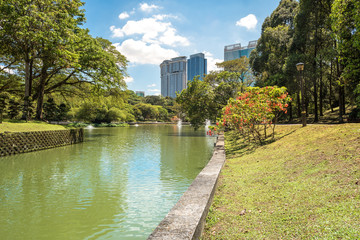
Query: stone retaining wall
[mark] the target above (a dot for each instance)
(21, 142)
(187, 218)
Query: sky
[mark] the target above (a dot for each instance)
(149, 32)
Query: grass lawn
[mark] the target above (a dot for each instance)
(20, 126)
(305, 185)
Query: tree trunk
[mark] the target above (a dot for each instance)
(41, 90)
(28, 83)
(341, 92)
(314, 75)
(330, 87)
(321, 100)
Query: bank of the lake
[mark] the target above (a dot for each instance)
(118, 184)
(306, 185)
(22, 126)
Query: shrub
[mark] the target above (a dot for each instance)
(254, 112)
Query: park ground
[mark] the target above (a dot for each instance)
(22, 126)
(304, 185)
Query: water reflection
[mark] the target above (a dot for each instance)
(118, 184)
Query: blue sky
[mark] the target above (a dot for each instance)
(148, 32)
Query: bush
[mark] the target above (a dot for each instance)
(14, 108)
(254, 111)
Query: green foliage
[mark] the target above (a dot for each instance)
(44, 42)
(63, 112)
(50, 110)
(346, 25)
(197, 102)
(203, 100)
(269, 57)
(54, 112)
(87, 112)
(144, 111)
(3, 102)
(154, 100)
(13, 108)
(254, 111)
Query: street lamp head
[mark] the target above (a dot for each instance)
(300, 66)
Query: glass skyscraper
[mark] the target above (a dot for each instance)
(235, 51)
(196, 66)
(173, 76)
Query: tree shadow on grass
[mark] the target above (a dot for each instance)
(237, 146)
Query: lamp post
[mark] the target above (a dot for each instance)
(300, 68)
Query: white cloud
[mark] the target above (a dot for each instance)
(163, 16)
(152, 85)
(116, 31)
(137, 51)
(249, 22)
(128, 79)
(211, 61)
(148, 8)
(153, 31)
(154, 90)
(124, 15)
(170, 38)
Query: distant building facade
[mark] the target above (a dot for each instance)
(235, 51)
(196, 65)
(173, 76)
(140, 93)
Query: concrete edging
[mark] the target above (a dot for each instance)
(187, 218)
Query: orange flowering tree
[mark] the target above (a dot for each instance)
(254, 112)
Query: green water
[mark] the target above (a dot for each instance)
(118, 184)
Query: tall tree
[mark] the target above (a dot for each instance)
(310, 41)
(99, 64)
(37, 30)
(269, 57)
(197, 102)
(45, 37)
(346, 25)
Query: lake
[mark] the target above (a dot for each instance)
(118, 184)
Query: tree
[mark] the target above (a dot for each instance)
(310, 43)
(63, 111)
(254, 111)
(197, 102)
(236, 70)
(270, 59)
(154, 100)
(54, 53)
(51, 110)
(99, 65)
(13, 108)
(37, 32)
(346, 25)
(3, 102)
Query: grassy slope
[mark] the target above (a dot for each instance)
(27, 127)
(306, 185)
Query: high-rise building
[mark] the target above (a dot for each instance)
(140, 93)
(235, 51)
(173, 76)
(196, 66)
